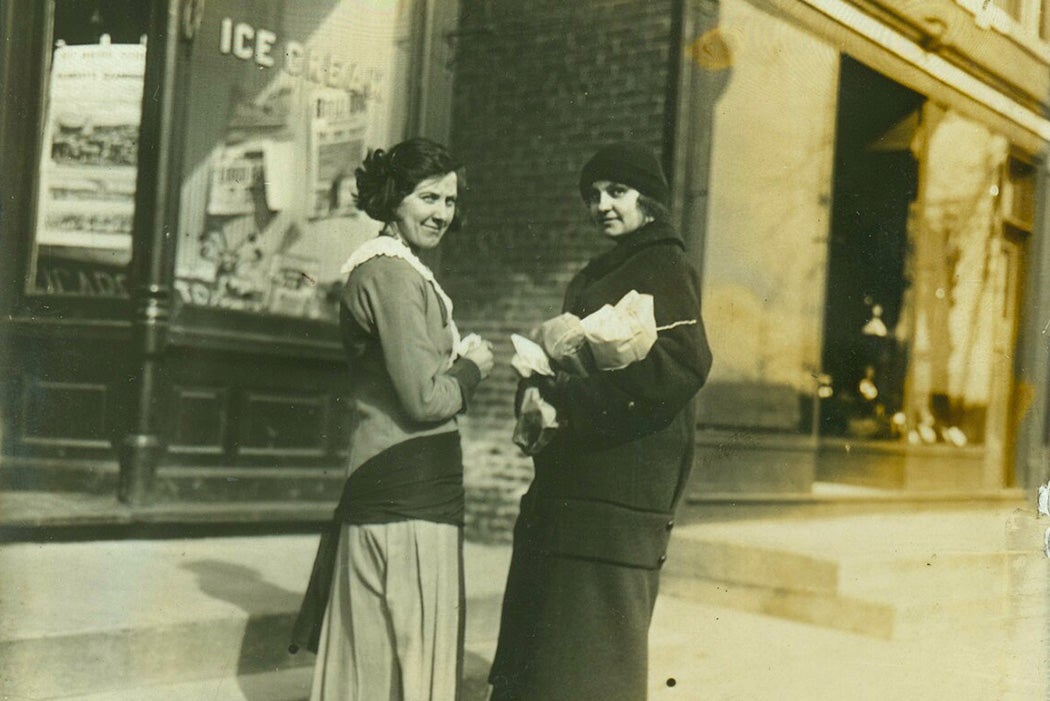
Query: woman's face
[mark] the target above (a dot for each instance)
(424, 215)
(614, 208)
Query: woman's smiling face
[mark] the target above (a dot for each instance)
(424, 215)
(614, 208)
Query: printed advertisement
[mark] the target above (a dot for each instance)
(235, 178)
(295, 96)
(90, 151)
(337, 135)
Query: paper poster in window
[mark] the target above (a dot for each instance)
(88, 163)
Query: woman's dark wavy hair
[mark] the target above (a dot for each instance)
(387, 177)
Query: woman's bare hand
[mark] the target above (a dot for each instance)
(481, 355)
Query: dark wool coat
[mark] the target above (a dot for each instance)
(594, 525)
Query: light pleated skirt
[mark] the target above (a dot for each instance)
(393, 630)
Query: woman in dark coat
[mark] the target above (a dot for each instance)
(594, 525)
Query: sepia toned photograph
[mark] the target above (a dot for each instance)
(479, 350)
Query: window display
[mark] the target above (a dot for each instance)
(90, 147)
(287, 99)
(924, 279)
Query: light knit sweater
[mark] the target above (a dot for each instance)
(399, 339)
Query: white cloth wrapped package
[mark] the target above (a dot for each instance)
(616, 336)
(537, 419)
(623, 334)
(563, 339)
(562, 336)
(536, 424)
(529, 359)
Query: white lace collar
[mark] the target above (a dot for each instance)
(393, 247)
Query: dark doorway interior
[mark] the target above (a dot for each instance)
(876, 180)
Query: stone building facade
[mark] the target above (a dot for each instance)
(858, 185)
(861, 183)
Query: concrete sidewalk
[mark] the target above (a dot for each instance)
(950, 604)
(208, 618)
(194, 618)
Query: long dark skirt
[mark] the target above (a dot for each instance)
(573, 629)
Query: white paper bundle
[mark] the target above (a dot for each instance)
(529, 358)
(616, 337)
(564, 341)
(536, 424)
(622, 334)
(562, 336)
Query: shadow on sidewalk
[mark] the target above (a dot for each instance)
(271, 611)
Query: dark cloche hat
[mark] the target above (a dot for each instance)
(629, 163)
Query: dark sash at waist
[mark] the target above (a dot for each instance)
(419, 479)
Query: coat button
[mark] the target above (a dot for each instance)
(670, 524)
(661, 560)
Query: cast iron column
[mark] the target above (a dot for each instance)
(152, 266)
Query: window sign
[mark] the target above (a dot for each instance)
(287, 98)
(90, 148)
(92, 139)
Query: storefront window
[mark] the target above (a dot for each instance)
(765, 243)
(869, 291)
(287, 98)
(88, 159)
(922, 313)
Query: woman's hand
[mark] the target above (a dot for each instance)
(481, 355)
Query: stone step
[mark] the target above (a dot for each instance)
(104, 660)
(281, 685)
(692, 555)
(819, 608)
(891, 617)
(284, 685)
(936, 577)
(910, 576)
(27, 515)
(105, 617)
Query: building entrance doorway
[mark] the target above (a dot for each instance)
(926, 261)
(876, 184)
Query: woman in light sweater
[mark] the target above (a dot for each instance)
(392, 627)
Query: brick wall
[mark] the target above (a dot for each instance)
(540, 85)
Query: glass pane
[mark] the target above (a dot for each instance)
(88, 160)
(921, 286)
(962, 280)
(764, 255)
(287, 98)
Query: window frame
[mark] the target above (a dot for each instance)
(29, 303)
